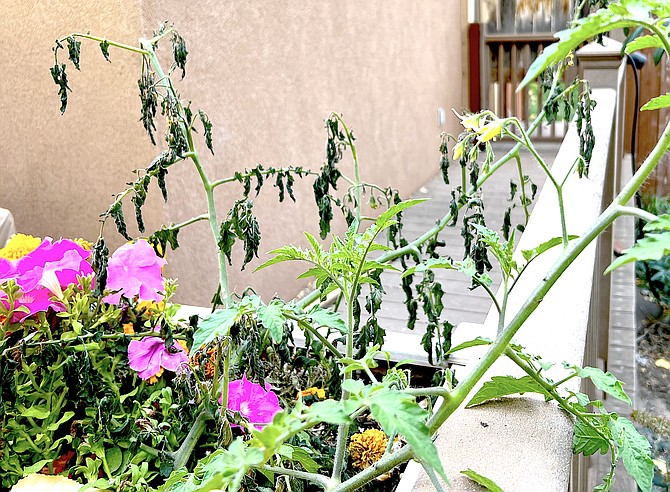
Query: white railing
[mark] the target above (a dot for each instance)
(524, 443)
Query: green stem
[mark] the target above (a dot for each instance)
(207, 185)
(188, 222)
(264, 172)
(314, 478)
(524, 196)
(501, 343)
(308, 327)
(127, 47)
(637, 212)
(182, 455)
(433, 478)
(503, 308)
(357, 175)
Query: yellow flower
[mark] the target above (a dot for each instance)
(470, 121)
(320, 393)
(154, 379)
(87, 245)
(490, 131)
(19, 245)
(149, 308)
(367, 448)
(128, 329)
(458, 150)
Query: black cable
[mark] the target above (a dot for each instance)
(636, 61)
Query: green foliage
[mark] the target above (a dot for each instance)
(653, 246)
(487, 483)
(241, 224)
(627, 13)
(500, 386)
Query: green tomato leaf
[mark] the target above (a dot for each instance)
(327, 318)
(470, 343)
(662, 223)
(643, 42)
(587, 441)
(329, 411)
(399, 413)
(635, 452)
(273, 319)
(657, 103)
(601, 21)
(529, 254)
(503, 386)
(487, 483)
(216, 324)
(605, 381)
(385, 219)
(652, 246)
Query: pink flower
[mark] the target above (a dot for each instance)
(253, 402)
(135, 270)
(150, 356)
(44, 273)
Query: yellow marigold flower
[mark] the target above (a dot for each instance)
(319, 393)
(367, 447)
(19, 245)
(154, 379)
(87, 245)
(150, 307)
(128, 329)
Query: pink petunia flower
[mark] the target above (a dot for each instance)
(46, 272)
(150, 356)
(135, 270)
(253, 402)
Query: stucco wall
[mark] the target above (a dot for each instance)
(267, 73)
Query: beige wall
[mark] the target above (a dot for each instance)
(267, 73)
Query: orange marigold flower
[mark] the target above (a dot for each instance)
(19, 245)
(154, 379)
(367, 447)
(128, 329)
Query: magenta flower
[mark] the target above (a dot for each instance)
(45, 273)
(150, 356)
(135, 270)
(253, 402)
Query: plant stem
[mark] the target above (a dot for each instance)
(357, 175)
(207, 185)
(264, 172)
(308, 327)
(182, 455)
(127, 47)
(522, 181)
(433, 478)
(314, 478)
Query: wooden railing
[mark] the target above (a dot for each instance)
(503, 62)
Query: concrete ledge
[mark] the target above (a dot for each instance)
(523, 443)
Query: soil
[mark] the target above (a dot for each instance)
(653, 386)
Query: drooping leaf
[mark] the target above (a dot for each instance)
(487, 483)
(500, 386)
(179, 52)
(104, 48)
(73, 50)
(207, 128)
